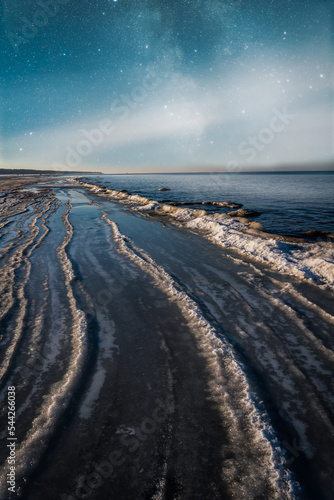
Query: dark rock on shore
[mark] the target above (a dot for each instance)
(318, 235)
(228, 204)
(244, 212)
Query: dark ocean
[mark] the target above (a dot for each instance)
(290, 203)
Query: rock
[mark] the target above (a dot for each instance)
(222, 216)
(228, 204)
(198, 213)
(244, 212)
(257, 226)
(315, 235)
(243, 220)
(163, 189)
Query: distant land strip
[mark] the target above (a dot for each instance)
(20, 171)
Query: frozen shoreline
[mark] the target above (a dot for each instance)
(115, 306)
(293, 256)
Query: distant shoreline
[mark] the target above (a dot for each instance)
(258, 172)
(23, 171)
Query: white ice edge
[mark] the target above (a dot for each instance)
(264, 436)
(309, 261)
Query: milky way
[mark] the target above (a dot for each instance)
(132, 86)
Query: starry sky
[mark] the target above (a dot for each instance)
(167, 85)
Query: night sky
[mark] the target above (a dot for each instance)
(126, 85)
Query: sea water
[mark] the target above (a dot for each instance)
(290, 203)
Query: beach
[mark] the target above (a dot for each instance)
(161, 351)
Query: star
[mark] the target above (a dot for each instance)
(209, 66)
